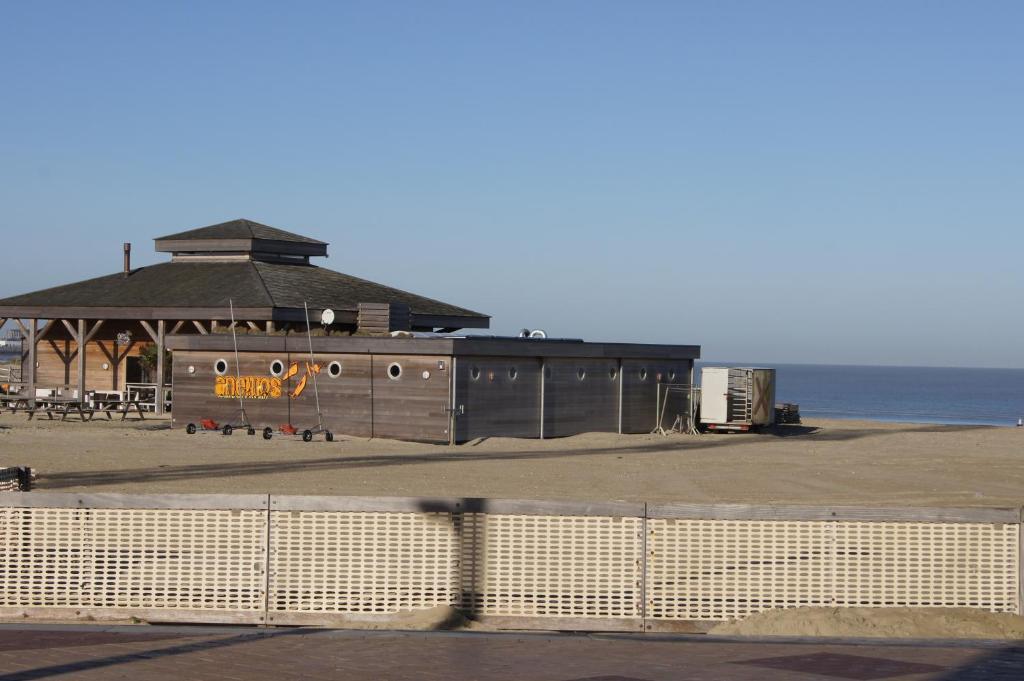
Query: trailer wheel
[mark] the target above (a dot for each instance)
(251, 431)
(190, 429)
(307, 435)
(268, 433)
(227, 430)
(329, 436)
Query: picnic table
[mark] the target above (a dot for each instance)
(70, 406)
(14, 401)
(64, 406)
(116, 404)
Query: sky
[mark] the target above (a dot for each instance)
(809, 182)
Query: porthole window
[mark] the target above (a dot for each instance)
(474, 373)
(581, 373)
(276, 368)
(643, 374)
(513, 373)
(613, 373)
(220, 367)
(394, 371)
(334, 369)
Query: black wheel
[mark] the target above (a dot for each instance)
(268, 433)
(190, 429)
(329, 436)
(251, 431)
(227, 430)
(307, 435)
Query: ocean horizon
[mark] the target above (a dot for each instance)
(911, 394)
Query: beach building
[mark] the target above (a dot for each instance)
(358, 378)
(433, 389)
(123, 319)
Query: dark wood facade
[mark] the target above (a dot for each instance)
(427, 389)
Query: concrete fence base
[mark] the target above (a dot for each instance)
(349, 561)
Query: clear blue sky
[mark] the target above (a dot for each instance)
(835, 182)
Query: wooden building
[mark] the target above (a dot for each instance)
(437, 389)
(266, 273)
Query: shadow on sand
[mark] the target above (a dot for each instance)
(682, 445)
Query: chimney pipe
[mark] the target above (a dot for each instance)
(127, 259)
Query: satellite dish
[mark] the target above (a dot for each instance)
(327, 317)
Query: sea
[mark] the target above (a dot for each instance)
(891, 393)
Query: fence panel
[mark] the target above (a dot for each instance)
(173, 558)
(726, 562)
(954, 565)
(726, 569)
(511, 564)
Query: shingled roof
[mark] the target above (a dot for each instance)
(200, 283)
(248, 284)
(240, 229)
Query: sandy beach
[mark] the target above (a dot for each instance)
(820, 462)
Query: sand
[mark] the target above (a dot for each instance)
(820, 462)
(947, 623)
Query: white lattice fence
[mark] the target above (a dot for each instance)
(336, 560)
(749, 559)
(185, 558)
(518, 564)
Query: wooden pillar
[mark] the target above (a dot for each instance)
(161, 331)
(81, 359)
(270, 327)
(31, 379)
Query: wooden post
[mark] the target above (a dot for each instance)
(32, 324)
(270, 327)
(161, 330)
(80, 340)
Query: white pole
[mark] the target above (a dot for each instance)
(316, 394)
(238, 376)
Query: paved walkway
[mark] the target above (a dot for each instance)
(195, 654)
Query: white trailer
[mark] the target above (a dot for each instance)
(737, 398)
